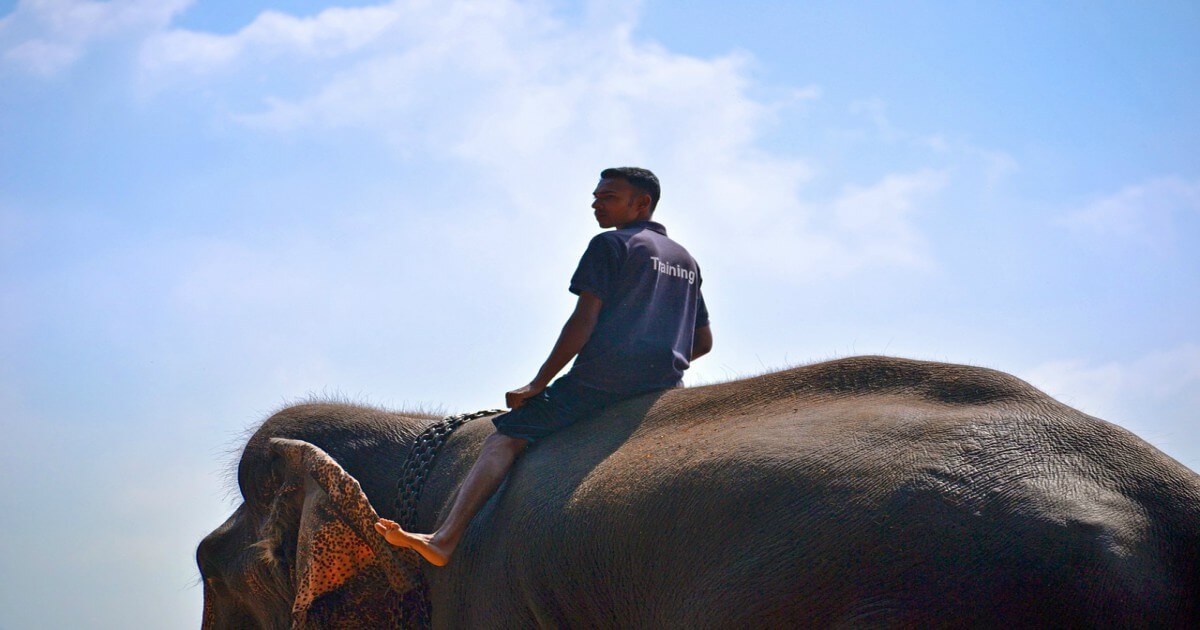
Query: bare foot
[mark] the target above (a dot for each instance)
(420, 543)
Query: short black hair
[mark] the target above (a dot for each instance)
(640, 178)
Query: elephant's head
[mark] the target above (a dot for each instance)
(304, 553)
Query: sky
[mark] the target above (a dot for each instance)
(212, 209)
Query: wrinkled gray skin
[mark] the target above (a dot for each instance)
(863, 492)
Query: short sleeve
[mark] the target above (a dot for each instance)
(598, 268)
(701, 312)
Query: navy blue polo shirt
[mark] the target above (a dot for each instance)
(651, 306)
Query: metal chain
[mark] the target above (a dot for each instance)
(408, 491)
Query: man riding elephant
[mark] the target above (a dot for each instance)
(638, 323)
(863, 492)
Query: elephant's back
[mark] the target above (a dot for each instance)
(885, 419)
(838, 504)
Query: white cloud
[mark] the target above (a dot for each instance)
(1106, 387)
(1147, 214)
(332, 33)
(1156, 396)
(513, 95)
(877, 218)
(875, 110)
(44, 37)
(994, 165)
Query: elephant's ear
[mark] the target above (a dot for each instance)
(345, 574)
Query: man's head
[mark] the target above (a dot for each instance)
(625, 194)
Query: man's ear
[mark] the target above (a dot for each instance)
(643, 203)
(344, 570)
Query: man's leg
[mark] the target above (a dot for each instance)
(499, 452)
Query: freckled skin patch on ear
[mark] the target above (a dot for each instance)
(328, 485)
(341, 577)
(333, 553)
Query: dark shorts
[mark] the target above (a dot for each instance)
(560, 405)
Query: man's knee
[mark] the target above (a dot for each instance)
(503, 444)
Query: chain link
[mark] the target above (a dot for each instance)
(408, 491)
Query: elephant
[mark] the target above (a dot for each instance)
(868, 491)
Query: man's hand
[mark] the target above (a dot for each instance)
(516, 397)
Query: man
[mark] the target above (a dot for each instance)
(638, 323)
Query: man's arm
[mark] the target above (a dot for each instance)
(701, 342)
(575, 333)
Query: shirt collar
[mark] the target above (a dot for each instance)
(647, 225)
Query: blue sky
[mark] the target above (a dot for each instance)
(211, 209)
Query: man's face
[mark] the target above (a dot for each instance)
(617, 203)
